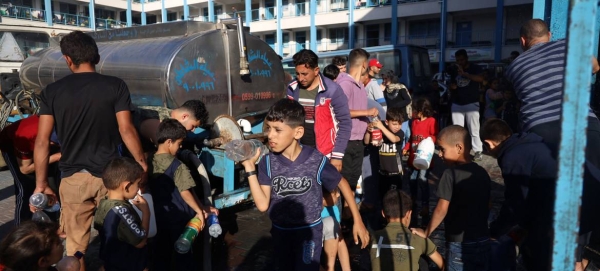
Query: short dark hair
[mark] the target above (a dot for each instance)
(461, 52)
(120, 170)
(394, 114)
(198, 109)
(454, 134)
(339, 61)
(287, 111)
(423, 106)
(170, 129)
(357, 55)
(306, 57)
(496, 130)
(396, 203)
(331, 71)
(22, 248)
(80, 47)
(534, 28)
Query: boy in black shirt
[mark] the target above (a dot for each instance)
(389, 149)
(464, 193)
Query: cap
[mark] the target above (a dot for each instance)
(375, 62)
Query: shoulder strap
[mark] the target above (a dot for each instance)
(172, 168)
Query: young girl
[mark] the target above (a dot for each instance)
(32, 246)
(423, 126)
(493, 99)
(333, 241)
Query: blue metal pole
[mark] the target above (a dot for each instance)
(211, 11)
(129, 13)
(279, 48)
(248, 12)
(313, 27)
(143, 12)
(443, 33)
(92, 18)
(499, 30)
(541, 10)
(163, 11)
(186, 11)
(351, 37)
(558, 19)
(597, 33)
(394, 23)
(575, 110)
(48, 11)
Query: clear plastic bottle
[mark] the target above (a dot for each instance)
(42, 202)
(214, 228)
(240, 150)
(185, 241)
(376, 134)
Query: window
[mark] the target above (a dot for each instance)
(387, 31)
(416, 63)
(68, 8)
(338, 35)
(424, 29)
(171, 16)
(319, 37)
(372, 35)
(28, 42)
(270, 39)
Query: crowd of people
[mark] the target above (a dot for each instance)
(338, 131)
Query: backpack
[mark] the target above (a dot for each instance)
(170, 208)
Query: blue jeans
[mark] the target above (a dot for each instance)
(468, 256)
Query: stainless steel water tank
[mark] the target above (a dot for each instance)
(167, 64)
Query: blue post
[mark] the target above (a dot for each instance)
(92, 18)
(394, 23)
(558, 19)
(279, 35)
(575, 110)
(143, 12)
(597, 33)
(248, 12)
(211, 11)
(541, 10)
(48, 12)
(313, 27)
(499, 31)
(443, 33)
(163, 11)
(129, 13)
(351, 37)
(186, 11)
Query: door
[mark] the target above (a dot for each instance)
(464, 32)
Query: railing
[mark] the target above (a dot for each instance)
(19, 12)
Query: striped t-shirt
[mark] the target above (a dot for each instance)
(537, 76)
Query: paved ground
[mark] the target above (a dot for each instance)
(246, 243)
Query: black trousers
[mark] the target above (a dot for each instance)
(352, 162)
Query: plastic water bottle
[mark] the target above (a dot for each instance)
(241, 150)
(42, 202)
(214, 228)
(40, 216)
(424, 154)
(185, 241)
(376, 134)
(358, 193)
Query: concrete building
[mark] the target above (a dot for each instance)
(470, 24)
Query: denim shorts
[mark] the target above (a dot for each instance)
(468, 255)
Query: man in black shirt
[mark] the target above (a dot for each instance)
(465, 97)
(92, 117)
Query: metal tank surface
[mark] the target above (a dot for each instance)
(165, 65)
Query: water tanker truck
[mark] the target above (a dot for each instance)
(237, 75)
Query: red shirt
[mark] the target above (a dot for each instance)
(419, 130)
(21, 135)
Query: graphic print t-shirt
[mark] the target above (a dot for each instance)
(296, 186)
(307, 100)
(389, 154)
